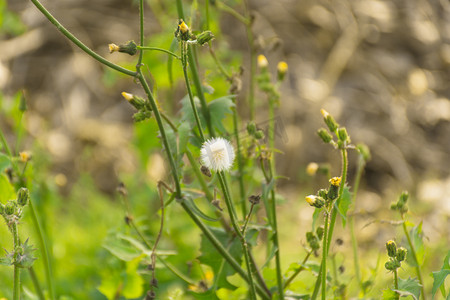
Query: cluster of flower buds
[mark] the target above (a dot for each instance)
(264, 79)
(396, 256)
(324, 196)
(129, 47)
(184, 33)
(314, 239)
(254, 131)
(143, 107)
(400, 205)
(12, 210)
(343, 139)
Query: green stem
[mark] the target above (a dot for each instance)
(199, 176)
(240, 163)
(324, 256)
(221, 5)
(16, 291)
(396, 284)
(80, 44)
(235, 225)
(37, 286)
(247, 218)
(414, 254)
(358, 175)
(141, 30)
(8, 151)
(44, 250)
(184, 48)
(159, 49)
(301, 268)
(252, 78)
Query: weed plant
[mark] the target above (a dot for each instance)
(214, 178)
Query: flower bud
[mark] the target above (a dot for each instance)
(113, 48)
(324, 135)
(130, 48)
(392, 265)
(315, 201)
(23, 196)
(312, 241)
(183, 32)
(10, 208)
(319, 232)
(23, 103)
(401, 254)
(259, 135)
(251, 128)
(262, 62)
(364, 151)
(323, 193)
(254, 199)
(138, 102)
(311, 168)
(282, 68)
(333, 190)
(204, 37)
(25, 156)
(329, 120)
(343, 135)
(391, 248)
(141, 116)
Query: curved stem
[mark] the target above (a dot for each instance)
(80, 44)
(301, 268)
(159, 49)
(324, 256)
(240, 163)
(413, 252)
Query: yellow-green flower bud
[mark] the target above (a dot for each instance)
(319, 231)
(401, 254)
(23, 196)
(259, 135)
(343, 135)
(130, 48)
(323, 193)
(282, 68)
(262, 62)
(10, 208)
(315, 201)
(183, 32)
(333, 190)
(23, 103)
(312, 241)
(392, 265)
(251, 128)
(391, 248)
(364, 151)
(204, 37)
(324, 135)
(329, 120)
(25, 156)
(136, 101)
(113, 48)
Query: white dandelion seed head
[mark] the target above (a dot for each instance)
(217, 154)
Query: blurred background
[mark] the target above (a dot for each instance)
(381, 68)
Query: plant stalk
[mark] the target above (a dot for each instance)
(16, 291)
(324, 256)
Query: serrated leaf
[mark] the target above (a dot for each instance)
(218, 108)
(209, 256)
(440, 276)
(6, 189)
(417, 241)
(409, 287)
(343, 204)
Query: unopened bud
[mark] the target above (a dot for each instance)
(364, 150)
(315, 201)
(113, 48)
(10, 208)
(282, 68)
(204, 37)
(323, 193)
(311, 168)
(319, 231)
(333, 190)
(136, 101)
(23, 103)
(23, 196)
(343, 135)
(182, 32)
(391, 248)
(251, 128)
(401, 254)
(391, 265)
(141, 116)
(324, 135)
(130, 48)
(259, 134)
(25, 156)
(262, 62)
(329, 120)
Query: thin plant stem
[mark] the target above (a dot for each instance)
(414, 254)
(44, 250)
(199, 176)
(240, 163)
(235, 225)
(16, 290)
(247, 218)
(351, 221)
(159, 49)
(396, 284)
(324, 256)
(80, 44)
(252, 78)
(221, 5)
(141, 30)
(301, 268)
(184, 49)
(37, 285)
(219, 65)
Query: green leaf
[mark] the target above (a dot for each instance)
(237, 294)
(440, 276)
(266, 188)
(209, 256)
(218, 108)
(133, 282)
(120, 248)
(197, 210)
(4, 162)
(6, 189)
(208, 295)
(343, 204)
(409, 287)
(184, 132)
(389, 295)
(417, 241)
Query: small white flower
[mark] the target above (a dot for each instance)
(217, 154)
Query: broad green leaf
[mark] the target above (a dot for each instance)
(416, 239)
(237, 294)
(120, 248)
(173, 48)
(389, 295)
(440, 276)
(209, 256)
(4, 162)
(218, 108)
(208, 295)
(109, 285)
(6, 189)
(409, 287)
(133, 282)
(343, 204)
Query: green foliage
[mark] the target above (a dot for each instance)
(6, 189)
(417, 241)
(343, 204)
(440, 276)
